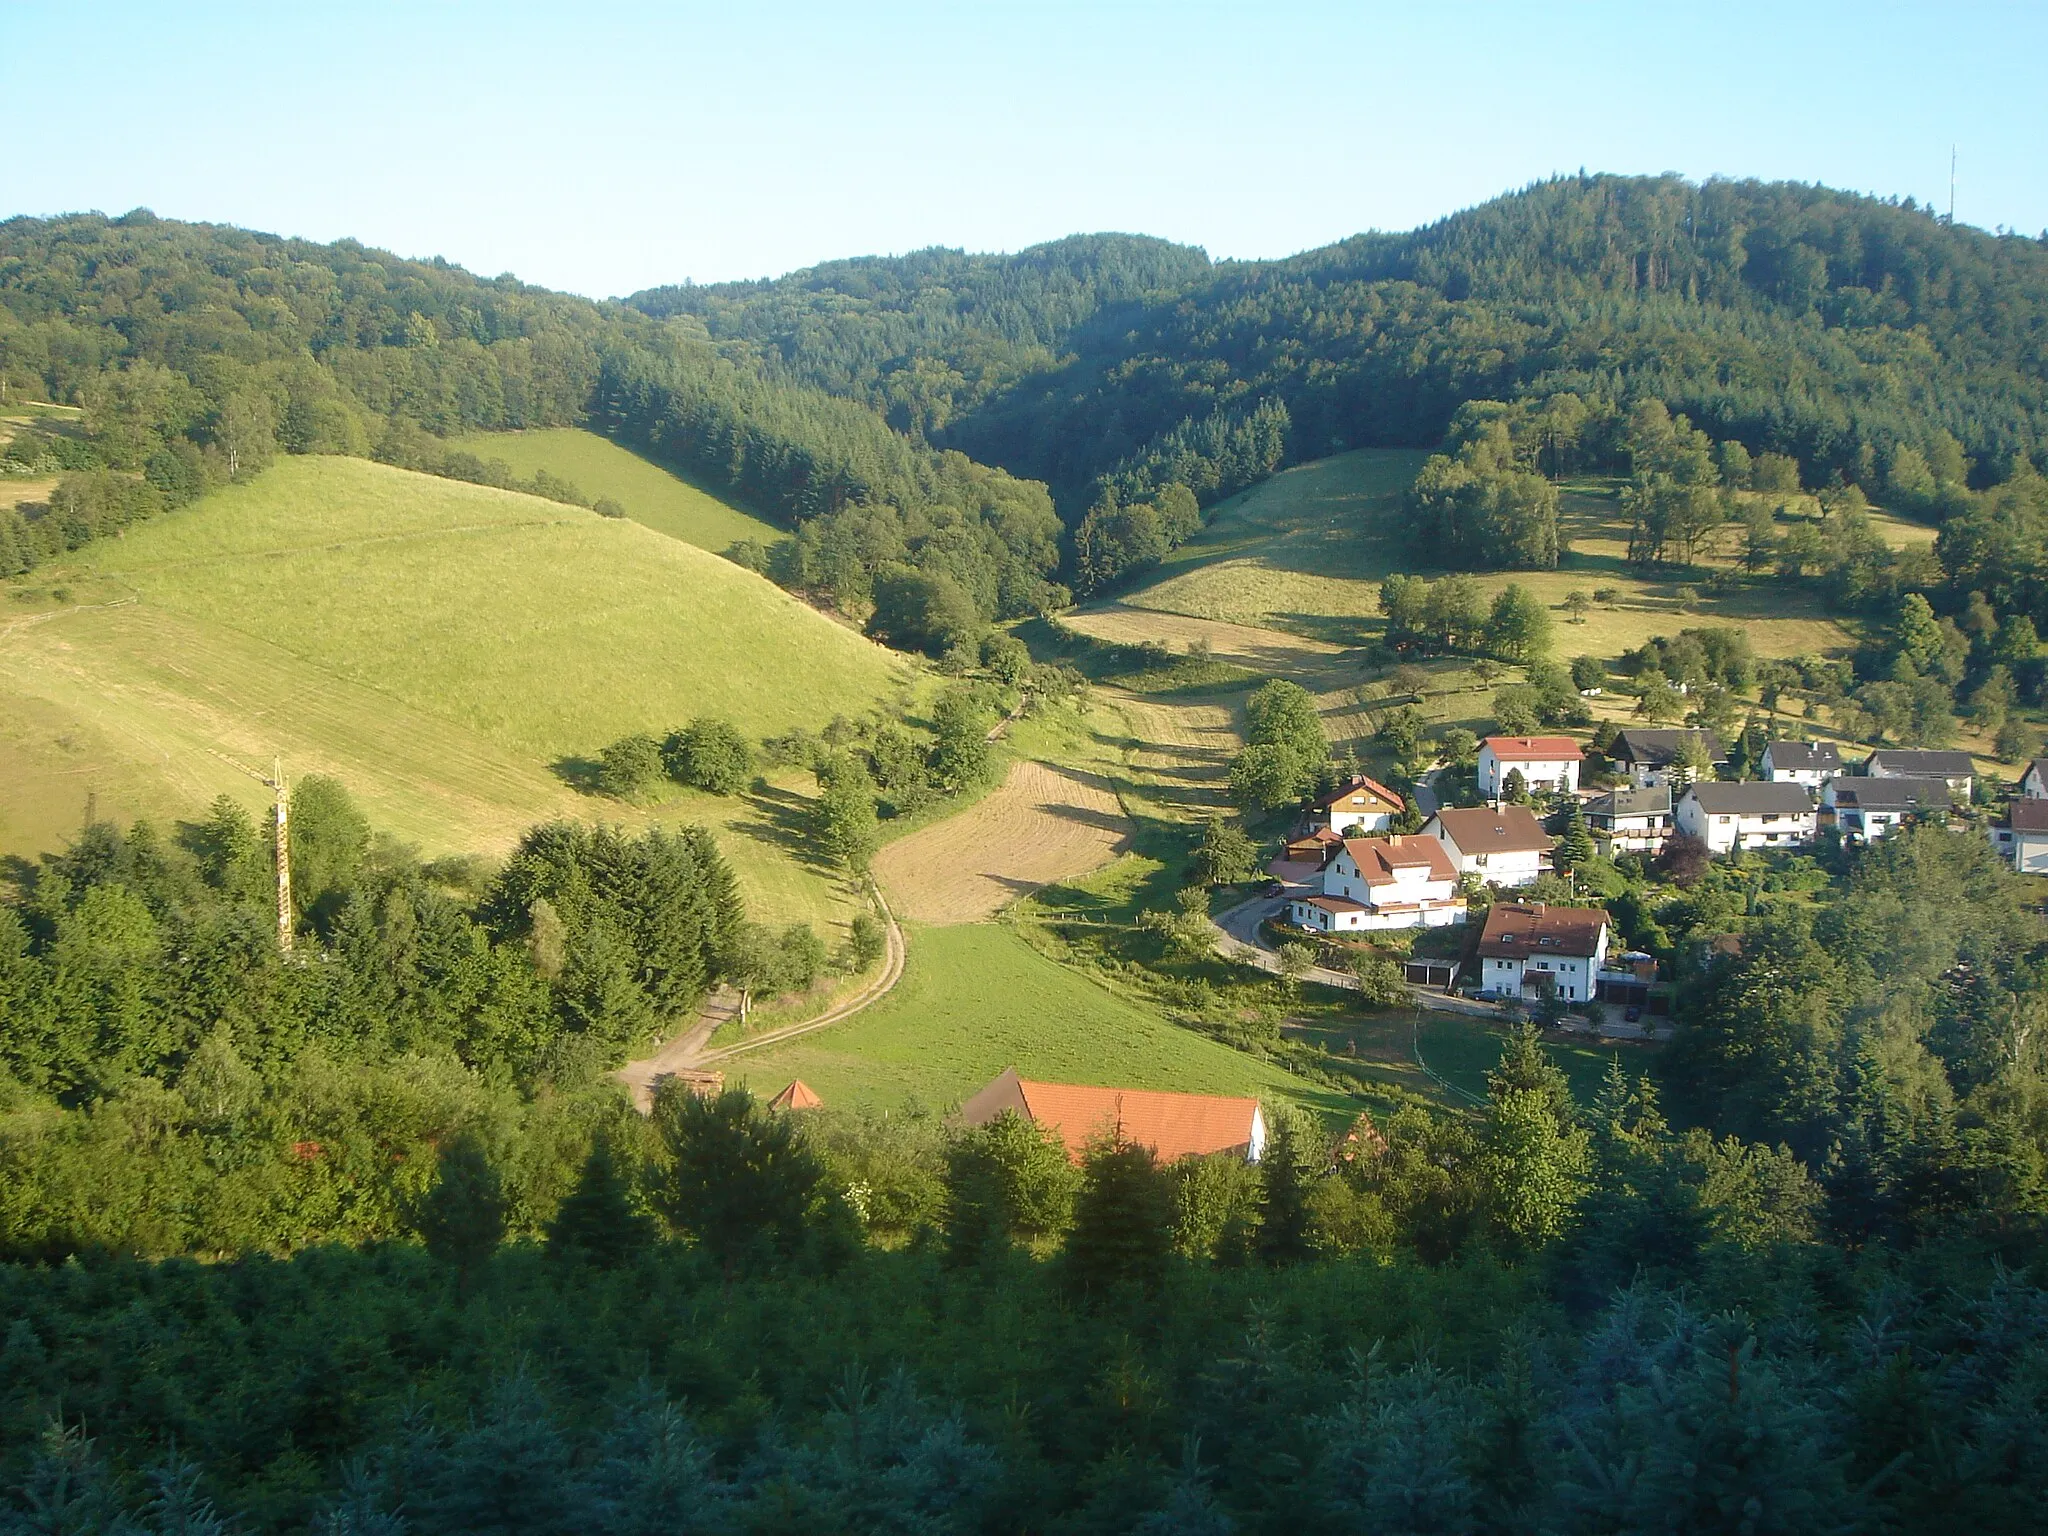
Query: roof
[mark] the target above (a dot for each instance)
(1173, 1125)
(1660, 749)
(1891, 794)
(1898, 763)
(1535, 749)
(1368, 793)
(1335, 903)
(1515, 929)
(1811, 756)
(797, 1095)
(2038, 768)
(1511, 829)
(1751, 798)
(1630, 801)
(1379, 857)
(2024, 815)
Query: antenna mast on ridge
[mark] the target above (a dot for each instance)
(284, 859)
(1951, 185)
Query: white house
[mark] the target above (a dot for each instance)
(2034, 782)
(1505, 847)
(1647, 757)
(1747, 815)
(1631, 820)
(1811, 763)
(1362, 804)
(1528, 949)
(2022, 835)
(1383, 882)
(1953, 768)
(1547, 763)
(1871, 808)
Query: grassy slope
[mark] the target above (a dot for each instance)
(650, 494)
(976, 999)
(435, 645)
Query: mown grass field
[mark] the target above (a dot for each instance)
(1305, 552)
(976, 999)
(449, 652)
(650, 494)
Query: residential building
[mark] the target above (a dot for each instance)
(1647, 757)
(1870, 808)
(1505, 847)
(1547, 764)
(2021, 835)
(1382, 882)
(1747, 815)
(1361, 804)
(1173, 1125)
(1530, 949)
(2034, 782)
(1302, 860)
(1811, 763)
(1631, 820)
(1953, 768)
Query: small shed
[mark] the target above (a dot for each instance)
(798, 1095)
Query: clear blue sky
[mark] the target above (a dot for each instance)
(606, 147)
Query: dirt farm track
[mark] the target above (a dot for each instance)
(1043, 824)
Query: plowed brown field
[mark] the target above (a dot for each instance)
(1044, 824)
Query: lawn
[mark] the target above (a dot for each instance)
(601, 468)
(450, 652)
(1404, 1049)
(976, 999)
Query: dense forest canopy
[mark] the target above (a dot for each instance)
(1792, 318)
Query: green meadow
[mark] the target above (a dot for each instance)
(452, 653)
(601, 468)
(975, 999)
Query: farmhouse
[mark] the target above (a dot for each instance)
(1648, 757)
(1506, 846)
(1383, 882)
(1631, 820)
(1811, 763)
(1954, 768)
(1747, 815)
(1362, 804)
(2021, 835)
(1531, 949)
(2034, 782)
(1173, 1125)
(1548, 764)
(1870, 808)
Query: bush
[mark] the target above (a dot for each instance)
(605, 507)
(630, 766)
(709, 755)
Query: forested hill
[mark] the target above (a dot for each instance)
(1791, 318)
(197, 352)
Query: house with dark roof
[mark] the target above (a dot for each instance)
(1173, 1125)
(1648, 756)
(1531, 949)
(1869, 809)
(1747, 815)
(1503, 847)
(1547, 764)
(1360, 805)
(1382, 882)
(1953, 768)
(2034, 782)
(1811, 763)
(2021, 834)
(1631, 820)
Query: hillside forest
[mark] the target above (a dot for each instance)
(358, 1235)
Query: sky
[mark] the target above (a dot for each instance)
(607, 147)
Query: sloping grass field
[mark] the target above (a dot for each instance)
(446, 650)
(599, 467)
(975, 999)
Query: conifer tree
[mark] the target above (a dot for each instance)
(1576, 846)
(1286, 1234)
(463, 1220)
(599, 1223)
(1123, 1221)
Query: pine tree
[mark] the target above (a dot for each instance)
(1575, 848)
(1286, 1228)
(463, 1220)
(599, 1224)
(741, 1182)
(1123, 1222)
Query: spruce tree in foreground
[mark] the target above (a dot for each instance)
(463, 1220)
(1123, 1221)
(1285, 1226)
(599, 1224)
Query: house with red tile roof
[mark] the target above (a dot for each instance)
(1504, 847)
(1530, 949)
(1382, 882)
(1547, 764)
(1173, 1125)
(1362, 803)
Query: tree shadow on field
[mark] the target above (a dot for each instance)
(781, 820)
(579, 773)
(18, 872)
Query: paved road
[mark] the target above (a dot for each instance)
(1238, 938)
